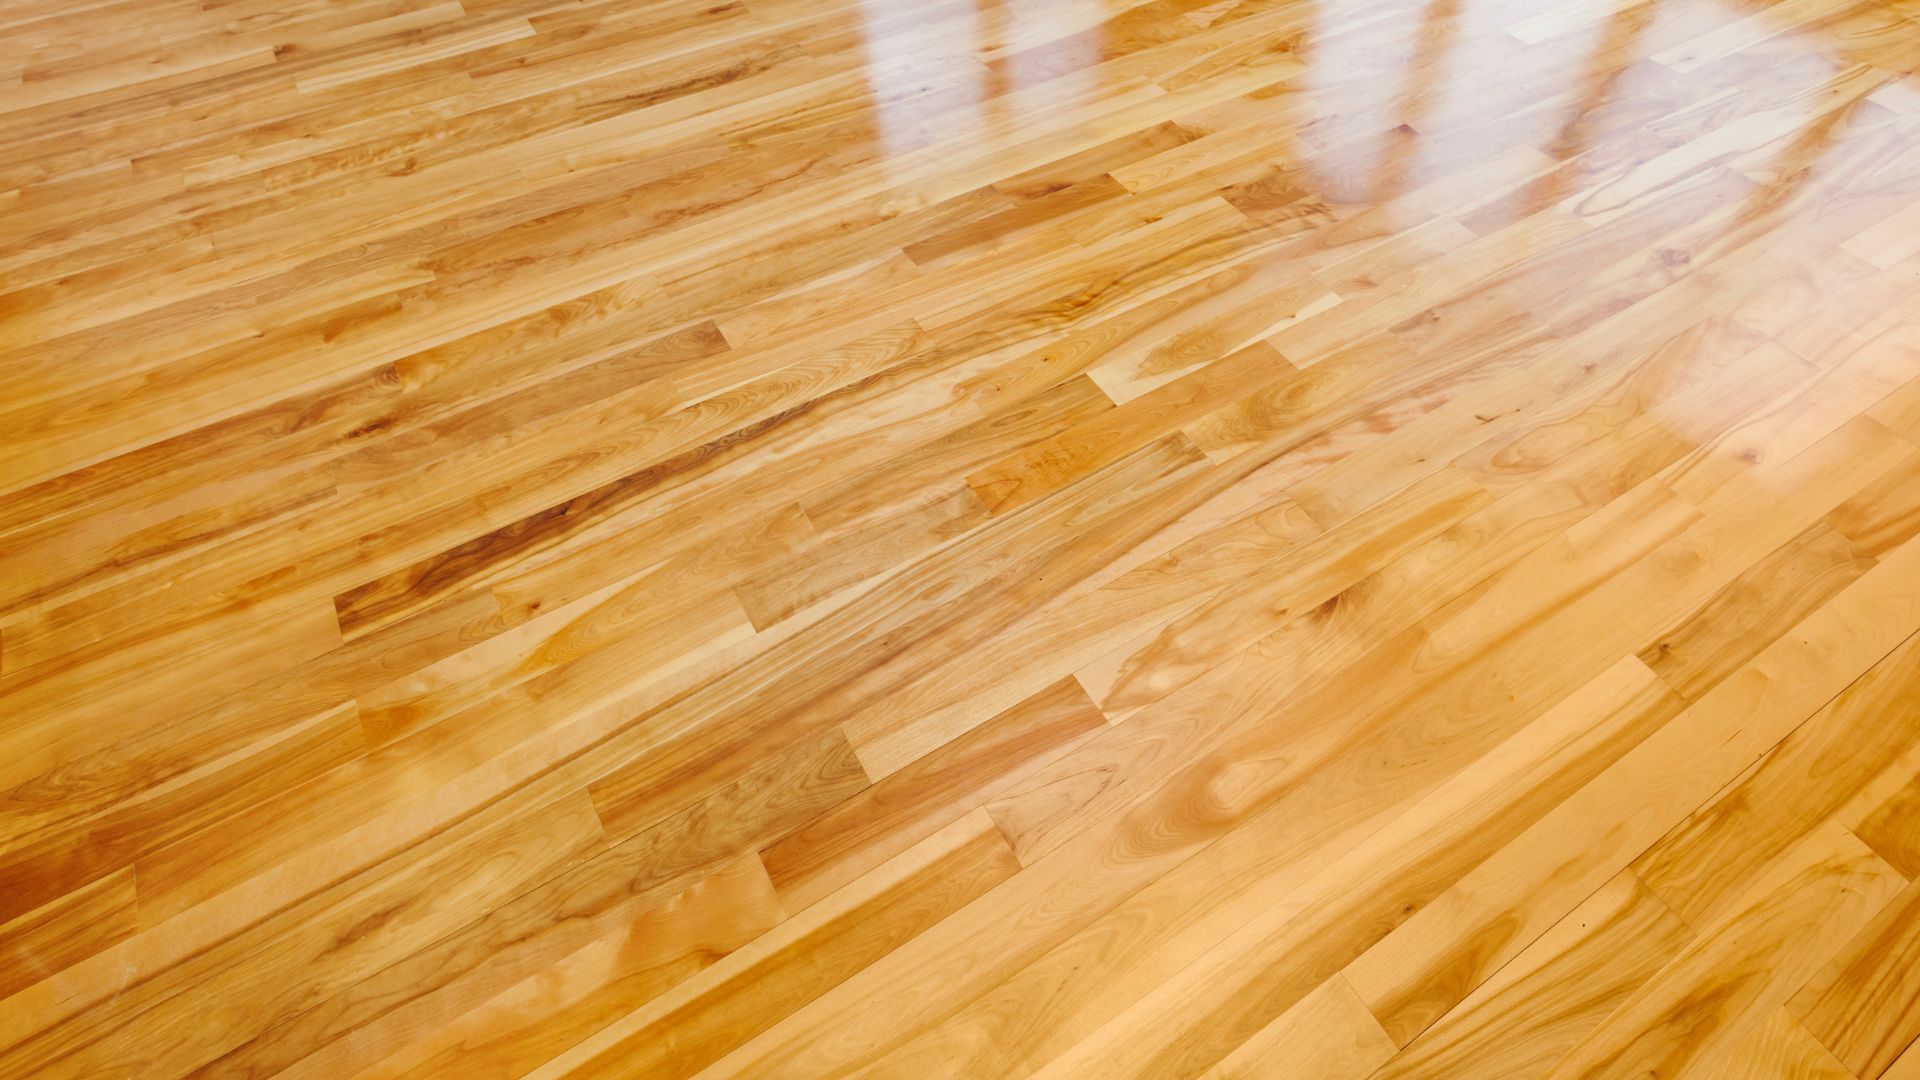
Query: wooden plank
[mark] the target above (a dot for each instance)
(1554, 992)
(846, 841)
(64, 931)
(1724, 986)
(1780, 589)
(1425, 968)
(754, 988)
(1865, 1004)
(1328, 1034)
(1893, 829)
(1705, 861)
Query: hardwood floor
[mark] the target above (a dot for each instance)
(960, 538)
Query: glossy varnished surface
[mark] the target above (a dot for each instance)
(976, 538)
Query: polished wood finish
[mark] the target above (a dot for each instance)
(976, 538)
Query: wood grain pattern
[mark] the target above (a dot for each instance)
(1866, 1005)
(1081, 538)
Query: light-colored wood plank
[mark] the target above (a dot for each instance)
(1328, 1034)
(1722, 989)
(1554, 992)
(1865, 1005)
